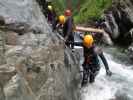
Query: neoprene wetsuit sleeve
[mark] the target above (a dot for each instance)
(104, 61)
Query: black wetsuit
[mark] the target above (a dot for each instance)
(54, 18)
(51, 16)
(68, 31)
(57, 26)
(91, 64)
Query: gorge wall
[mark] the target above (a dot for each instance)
(36, 65)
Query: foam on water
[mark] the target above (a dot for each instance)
(106, 87)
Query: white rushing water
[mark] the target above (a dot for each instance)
(117, 87)
(107, 88)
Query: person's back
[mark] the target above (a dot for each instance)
(67, 28)
(68, 33)
(54, 18)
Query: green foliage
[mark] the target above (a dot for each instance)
(90, 9)
(59, 6)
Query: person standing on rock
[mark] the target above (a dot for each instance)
(68, 28)
(51, 15)
(91, 64)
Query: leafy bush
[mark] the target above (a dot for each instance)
(90, 9)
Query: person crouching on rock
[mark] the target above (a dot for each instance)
(59, 23)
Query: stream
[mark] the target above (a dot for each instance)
(117, 87)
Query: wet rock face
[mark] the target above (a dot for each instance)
(22, 13)
(119, 21)
(2, 47)
(38, 67)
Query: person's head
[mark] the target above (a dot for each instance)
(62, 19)
(68, 13)
(50, 7)
(88, 41)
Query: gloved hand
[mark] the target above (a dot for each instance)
(108, 72)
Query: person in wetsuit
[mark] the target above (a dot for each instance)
(58, 25)
(68, 27)
(51, 15)
(91, 64)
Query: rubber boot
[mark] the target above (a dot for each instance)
(85, 79)
(92, 78)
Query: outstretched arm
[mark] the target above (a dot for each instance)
(104, 60)
(105, 64)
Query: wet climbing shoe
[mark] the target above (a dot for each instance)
(92, 79)
(108, 72)
(84, 82)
